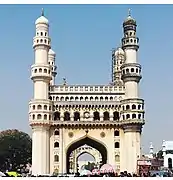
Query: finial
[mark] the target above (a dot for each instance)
(64, 82)
(129, 12)
(42, 12)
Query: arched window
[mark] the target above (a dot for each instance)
(45, 117)
(170, 163)
(133, 106)
(117, 145)
(116, 133)
(76, 116)
(66, 116)
(127, 107)
(116, 116)
(96, 115)
(56, 158)
(39, 116)
(106, 116)
(39, 107)
(56, 133)
(56, 116)
(133, 116)
(127, 116)
(56, 145)
(117, 158)
(45, 107)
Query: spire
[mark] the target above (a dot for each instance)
(42, 12)
(129, 12)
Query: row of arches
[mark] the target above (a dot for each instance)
(133, 116)
(133, 107)
(77, 116)
(41, 117)
(87, 106)
(42, 41)
(41, 70)
(116, 133)
(41, 107)
(81, 98)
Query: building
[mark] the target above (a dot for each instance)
(64, 117)
(167, 149)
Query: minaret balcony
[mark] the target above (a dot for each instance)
(131, 72)
(40, 71)
(132, 105)
(130, 42)
(40, 111)
(41, 41)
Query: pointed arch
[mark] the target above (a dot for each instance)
(89, 141)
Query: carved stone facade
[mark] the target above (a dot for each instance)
(66, 117)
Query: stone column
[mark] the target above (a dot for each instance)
(101, 115)
(111, 115)
(133, 146)
(64, 155)
(60, 150)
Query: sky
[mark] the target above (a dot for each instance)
(83, 36)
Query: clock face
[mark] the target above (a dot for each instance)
(86, 115)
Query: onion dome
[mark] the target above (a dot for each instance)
(129, 20)
(51, 52)
(119, 51)
(42, 19)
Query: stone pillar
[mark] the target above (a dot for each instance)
(60, 150)
(111, 115)
(101, 115)
(40, 150)
(132, 139)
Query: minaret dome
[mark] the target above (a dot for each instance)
(129, 20)
(51, 52)
(119, 51)
(42, 19)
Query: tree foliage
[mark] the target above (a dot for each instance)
(15, 149)
(160, 154)
(90, 166)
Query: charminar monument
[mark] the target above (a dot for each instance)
(106, 117)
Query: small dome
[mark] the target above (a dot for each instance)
(119, 51)
(42, 20)
(51, 52)
(129, 20)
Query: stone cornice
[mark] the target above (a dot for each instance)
(89, 124)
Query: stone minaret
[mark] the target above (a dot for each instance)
(117, 61)
(151, 150)
(40, 106)
(51, 60)
(132, 113)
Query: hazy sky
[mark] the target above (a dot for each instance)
(83, 36)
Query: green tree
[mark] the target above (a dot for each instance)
(90, 166)
(160, 154)
(15, 149)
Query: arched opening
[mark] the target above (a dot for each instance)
(96, 116)
(117, 158)
(170, 163)
(90, 142)
(85, 160)
(56, 116)
(56, 133)
(133, 106)
(106, 116)
(76, 116)
(56, 145)
(117, 145)
(66, 116)
(116, 133)
(116, 116)
(56, 158)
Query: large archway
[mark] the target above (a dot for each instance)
(90, 142)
